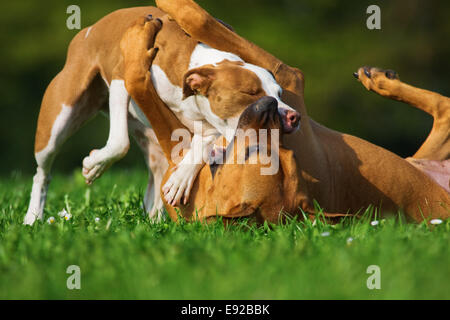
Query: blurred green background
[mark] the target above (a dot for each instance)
(327, 39)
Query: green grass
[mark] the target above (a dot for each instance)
(125, 256)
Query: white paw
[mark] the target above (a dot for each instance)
(156, 215)
(95, 165)
(30, 219)
(180, 183)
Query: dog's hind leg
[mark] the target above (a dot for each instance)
(62, 113)
(387, 84)
(157, 164)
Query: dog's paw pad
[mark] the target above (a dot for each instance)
(367, 72)
(391, 74)
(374, 73)
(376, 79)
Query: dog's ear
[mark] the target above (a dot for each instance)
(198, 81)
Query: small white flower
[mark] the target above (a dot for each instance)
(325, 234)
(67, 216)
(436, 221)
(375, 223)
(349, 240)
(62, 213)
(97, 219)
(51, 220)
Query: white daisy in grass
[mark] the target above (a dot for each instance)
(51, 220)
(62, 213)
(375, 223)
(349, 240)
(325, 234)
(436, 221)
(97, 219)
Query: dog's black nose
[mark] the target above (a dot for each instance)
(262, 114)
(265, 104)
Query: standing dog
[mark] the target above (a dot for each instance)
(343, 173)
(197, 82)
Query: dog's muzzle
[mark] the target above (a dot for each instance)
(290, 120)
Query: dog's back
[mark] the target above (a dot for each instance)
(98, 45)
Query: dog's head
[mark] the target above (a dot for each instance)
(229, 87)
(258, 176)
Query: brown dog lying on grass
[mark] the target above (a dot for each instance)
(344, 174)
(230, 189)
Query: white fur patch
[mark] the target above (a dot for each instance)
(226, 127)
(186, 110)
(58, 127)
(44, 161)
(118, 103)
(203, 55)
(118, 140)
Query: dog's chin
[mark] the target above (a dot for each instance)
(288, 128)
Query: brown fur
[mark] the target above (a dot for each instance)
(97, 56)
(343, 173)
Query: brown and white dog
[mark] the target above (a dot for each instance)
(344, 174)
(197, 82)
(341, 172)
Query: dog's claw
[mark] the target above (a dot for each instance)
(367, 72)
(391, 74)
(356, 75)
(150, 17)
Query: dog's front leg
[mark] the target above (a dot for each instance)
(118, 142)
(180, 182)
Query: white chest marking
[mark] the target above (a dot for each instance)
(172, 95)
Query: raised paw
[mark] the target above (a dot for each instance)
(95, 165)
(31, 218)
(377, 80)
(178, 187)
(139, 39)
